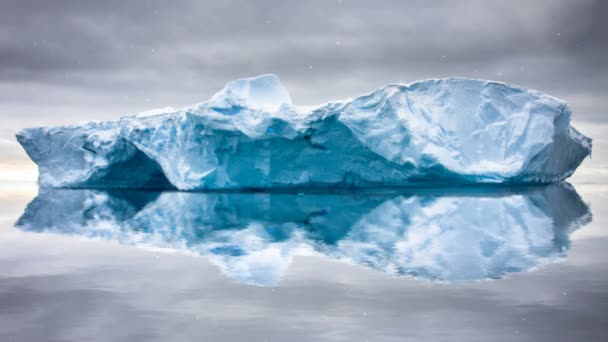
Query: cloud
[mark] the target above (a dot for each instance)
(67, 61)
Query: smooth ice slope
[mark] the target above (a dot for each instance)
(250, 135)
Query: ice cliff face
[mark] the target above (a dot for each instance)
(250, 135)
(467, 234)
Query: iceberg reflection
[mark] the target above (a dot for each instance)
(445, 235)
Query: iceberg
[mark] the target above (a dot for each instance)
(251, 136)
(448, 235)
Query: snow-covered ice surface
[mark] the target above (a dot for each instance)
(250, 136)
(462, 234)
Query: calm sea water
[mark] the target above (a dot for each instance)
(474, 264)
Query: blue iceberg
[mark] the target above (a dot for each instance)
(448, 235)
(250, 136)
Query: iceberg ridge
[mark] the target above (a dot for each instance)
(250, 136)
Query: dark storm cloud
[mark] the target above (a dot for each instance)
(67, 61)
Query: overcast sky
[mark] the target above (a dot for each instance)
(68, 61)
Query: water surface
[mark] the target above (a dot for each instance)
(516, 264)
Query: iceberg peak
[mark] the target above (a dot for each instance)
(264, 92)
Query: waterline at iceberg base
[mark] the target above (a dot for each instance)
(250, 136)
(448, 235)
